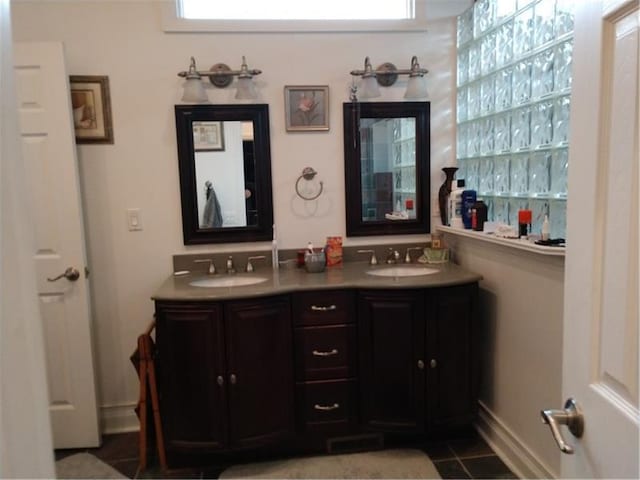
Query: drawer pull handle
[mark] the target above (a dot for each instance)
(325, 354)
(220, 380)
(326, 408)
(329, 308)
(233, 379)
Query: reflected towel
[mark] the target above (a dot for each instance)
(212, 217)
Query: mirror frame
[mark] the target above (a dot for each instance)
(258, 114)
(352, 113)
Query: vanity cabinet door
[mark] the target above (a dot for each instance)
(391, 351)
(260, 371)
(190, 352)
(452, 363)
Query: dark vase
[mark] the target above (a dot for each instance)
(445, 190)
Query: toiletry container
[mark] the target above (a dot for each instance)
(524, 223)
(468, 200)
(315, 261)
(455, 205)
(478, 215)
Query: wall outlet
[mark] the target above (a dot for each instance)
(134, 219)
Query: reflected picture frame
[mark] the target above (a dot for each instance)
(91, 109)
(306, 108)
(208, 136)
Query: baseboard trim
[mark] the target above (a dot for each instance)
(509, 447)
(119, 418)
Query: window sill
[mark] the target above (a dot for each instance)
(516, 244)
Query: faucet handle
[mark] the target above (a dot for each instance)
(212, 266)
(250, 268)
(407, 256)
(373, 260)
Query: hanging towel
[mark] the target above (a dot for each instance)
(212, 217)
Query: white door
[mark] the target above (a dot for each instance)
(49, 151)
(600, 345)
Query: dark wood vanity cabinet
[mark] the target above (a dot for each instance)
(417, 352)
(225, 374)
(296, 371)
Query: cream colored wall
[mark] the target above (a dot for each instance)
(522, 297)
(124, 40)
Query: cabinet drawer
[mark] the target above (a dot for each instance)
(327, 405)
(325, 352)
(324, 307)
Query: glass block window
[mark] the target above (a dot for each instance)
(513, 102)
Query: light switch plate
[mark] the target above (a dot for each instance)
(134, 219)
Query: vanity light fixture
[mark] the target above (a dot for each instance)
(387, 74)
(221, 76)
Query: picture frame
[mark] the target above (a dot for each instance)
(306, 108)
(91, 108)
(208, 136)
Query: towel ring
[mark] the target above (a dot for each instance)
(308, 174)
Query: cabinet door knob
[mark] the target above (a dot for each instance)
(220, 380)
(317, 353)
(326, 408)
(433, 363)
(420, 364)
(233, 379)
(328, 308)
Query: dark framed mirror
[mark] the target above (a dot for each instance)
(224, 159)
(387, 167)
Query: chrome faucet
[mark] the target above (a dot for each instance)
(230, 267)
(212, 267)
(250, 268)
(373, 260)
(393, 256)
(407, 256)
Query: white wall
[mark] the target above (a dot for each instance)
(522, 298)
(124, 40)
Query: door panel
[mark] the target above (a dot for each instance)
(451, 359)
(191, 358)
(600, 364)
(44, 109)
(260, 371)
(391, 342)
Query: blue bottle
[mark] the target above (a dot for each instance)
(468, 199)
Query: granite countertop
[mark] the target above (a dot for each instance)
(347, 276)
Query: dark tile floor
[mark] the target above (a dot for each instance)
(462, 458)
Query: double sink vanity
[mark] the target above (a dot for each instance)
(289, 361)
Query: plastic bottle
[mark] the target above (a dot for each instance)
(468, 199)
(274, 249)
(455, 205)
(545, 228)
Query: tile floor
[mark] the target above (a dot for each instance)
(462, 458)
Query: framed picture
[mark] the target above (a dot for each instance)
(91, 105)
(208, 136)
(306, 108)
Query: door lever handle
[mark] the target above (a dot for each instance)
(571, 416)
(70, 274)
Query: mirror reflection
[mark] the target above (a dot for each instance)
(225, 173)
(386, 147)
(388, 162)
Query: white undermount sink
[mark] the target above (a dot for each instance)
(228, 281)
(402, 271)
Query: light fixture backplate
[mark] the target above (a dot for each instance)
(385, 74)
(223, 78)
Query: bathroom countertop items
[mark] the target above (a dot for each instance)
(348, 275)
